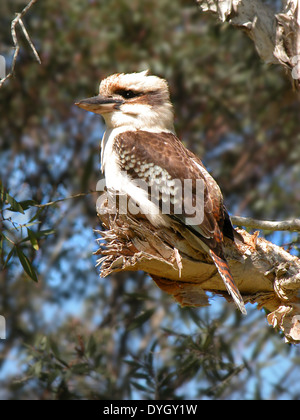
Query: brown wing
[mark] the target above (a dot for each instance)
(147, 156)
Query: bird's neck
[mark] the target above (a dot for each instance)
(144, 118)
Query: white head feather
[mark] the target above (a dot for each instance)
(150, 110)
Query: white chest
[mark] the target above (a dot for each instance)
(114, 177)
(119, 182)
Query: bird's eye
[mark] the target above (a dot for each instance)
(127, 94)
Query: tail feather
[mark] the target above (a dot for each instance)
(231, 287)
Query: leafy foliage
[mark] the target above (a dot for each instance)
(72, 335)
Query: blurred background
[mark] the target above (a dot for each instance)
(71, 334)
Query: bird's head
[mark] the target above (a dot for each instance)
(136, 100)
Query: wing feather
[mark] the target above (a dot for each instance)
(147, 155)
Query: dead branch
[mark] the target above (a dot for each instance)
(265, 273)
(15, 22)
(276, 36)
(274, 226)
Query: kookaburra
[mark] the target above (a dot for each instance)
(140, 144)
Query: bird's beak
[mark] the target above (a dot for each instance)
(100, 104)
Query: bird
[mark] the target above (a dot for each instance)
(140, 145)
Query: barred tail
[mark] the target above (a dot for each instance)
(231, 287)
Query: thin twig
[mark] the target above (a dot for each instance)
(30, 42)
(286, 225)
(52, 203)
(15, 22)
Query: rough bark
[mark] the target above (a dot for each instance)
(276, 35)
(292, 225)
(265, 273)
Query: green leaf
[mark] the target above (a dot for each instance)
(36, 216)
(15, 205)
(9, 256)
(54, 348)
(37, 235)
(33, 239)
(28, 268)
(42, 343)
(26, 204)
(91, 347)
(133, 364)
(37, 368)
(2, 192)
(138, 386)
(80, 368)
(141, 319)
(45, 232)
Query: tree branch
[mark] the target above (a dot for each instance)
(286, 225)
(276, 36)
(15, 22)
(265, 273)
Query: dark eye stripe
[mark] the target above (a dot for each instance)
(127, 94)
